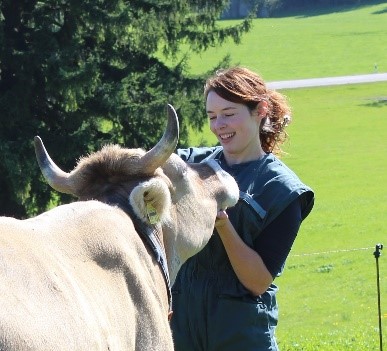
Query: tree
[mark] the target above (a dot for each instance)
(81, 73)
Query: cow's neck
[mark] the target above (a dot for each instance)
(152, 237)
(174, 264)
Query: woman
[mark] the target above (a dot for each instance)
(224, 298)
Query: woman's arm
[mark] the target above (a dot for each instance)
(257, 268)
(247, 264)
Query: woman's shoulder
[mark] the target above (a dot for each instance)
(285, 183)
(276, 170)
(197, 154)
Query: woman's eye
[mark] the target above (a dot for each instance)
(224, 115)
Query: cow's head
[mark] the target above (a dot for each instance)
(160, 187)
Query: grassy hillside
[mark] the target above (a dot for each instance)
(342, 43)
(338, 145)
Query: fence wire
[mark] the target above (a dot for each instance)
(331, 252)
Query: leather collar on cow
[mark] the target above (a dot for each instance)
(149, 234)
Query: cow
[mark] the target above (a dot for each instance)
(95, 274)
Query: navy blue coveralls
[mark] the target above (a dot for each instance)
(212, 310)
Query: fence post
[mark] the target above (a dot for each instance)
(377, 254)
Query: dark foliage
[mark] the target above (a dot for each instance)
(84, 73)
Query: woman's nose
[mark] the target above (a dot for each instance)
(220, 122)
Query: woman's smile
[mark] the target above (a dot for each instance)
(226, 136)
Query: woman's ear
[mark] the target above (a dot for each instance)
(262, 108)
(261, 111)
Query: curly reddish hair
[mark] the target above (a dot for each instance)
(243, 86)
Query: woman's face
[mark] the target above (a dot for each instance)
(236, 127)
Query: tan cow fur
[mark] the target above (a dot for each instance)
(79, 277)
(70, 279)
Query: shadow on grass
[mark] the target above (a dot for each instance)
(318, 11)
(380, 101)
(380, 12)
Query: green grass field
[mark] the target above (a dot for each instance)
(341, 43)
(338, 146)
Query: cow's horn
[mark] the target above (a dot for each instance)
(157, 156)
(58, 179)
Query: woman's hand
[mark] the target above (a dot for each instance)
(247, 264)
(221, 219)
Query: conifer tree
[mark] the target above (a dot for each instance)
(82, 73)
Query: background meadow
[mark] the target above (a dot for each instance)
(338, 146)
(308, 45)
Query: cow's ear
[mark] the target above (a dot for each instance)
(151, 201)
